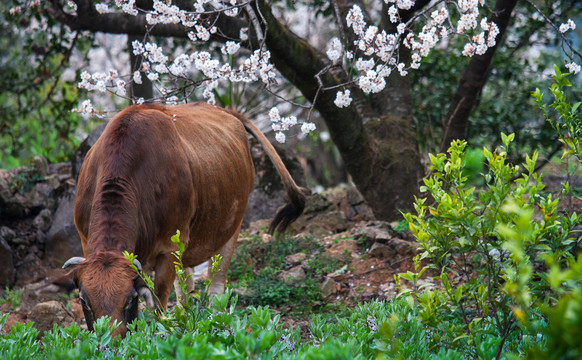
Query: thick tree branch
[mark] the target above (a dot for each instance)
(299, 62)
(87, 18)
(473, 79)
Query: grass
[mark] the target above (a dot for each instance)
(256, 267)
(10, 298)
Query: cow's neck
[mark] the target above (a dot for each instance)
(114, 218)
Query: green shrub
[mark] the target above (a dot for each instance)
(503, 255)
(11, 298)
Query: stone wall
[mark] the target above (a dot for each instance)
(36, 221)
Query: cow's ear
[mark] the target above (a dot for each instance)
(67, 282)
(144, 292)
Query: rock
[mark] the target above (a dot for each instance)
(321, 217)
(370, 296)
(323, 224)
(10, 204)
(328, 287)
(43, 220)
(293, 275)
(40, 166)
(7, 234)
(401, 246)
(267, 238)
(380, 251)
(343, 248)
(63, 241)
(40, 197)
(30, 269)
(7, 270)
(354, 206)
(372, 231)
(53, 181)
(47, 314)
(35, 293)
(295, 258)
(19, 240)
(258, 227)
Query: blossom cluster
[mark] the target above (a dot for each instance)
(568, 25)
(573, 67)
(379, 49)
(334, 49)
(280, 124)
(87, 110)
(101, 81)
(155, 63)
(343, 99)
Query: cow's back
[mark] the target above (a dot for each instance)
(184, 167)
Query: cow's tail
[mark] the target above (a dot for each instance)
(290, 212)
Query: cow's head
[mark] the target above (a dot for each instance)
(109, 286)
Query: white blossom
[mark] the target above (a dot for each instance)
(127, 6)
(364, 65)
(343, 99)
(401, 69)
(137, 77)
(334, 49)
(280, 137)
(393, 13)
(401, 28)
(405, 4)
(274, 115)
(172, 100)
(15, 10)
(153, 76)
(102, 8)
(573, 67)
(243, 34)
(230, 47)
(86, 110)
(307, 127)
(202, 33)
(469, 49)
(569, 25)
(233, 11)
(120, 87)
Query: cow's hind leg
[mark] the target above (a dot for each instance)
(194, 275)
(218, 283)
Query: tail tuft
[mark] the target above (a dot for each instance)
(289, 213)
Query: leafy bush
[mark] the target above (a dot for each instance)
(11, 298)
(504, 255)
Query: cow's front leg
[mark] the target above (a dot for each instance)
(165, 275)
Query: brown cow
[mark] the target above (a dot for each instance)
(154, 170)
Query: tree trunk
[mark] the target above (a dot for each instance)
(144, 90)
(378, 148)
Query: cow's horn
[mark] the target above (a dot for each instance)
(137, 265)
(76, 260)
(146, 294)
